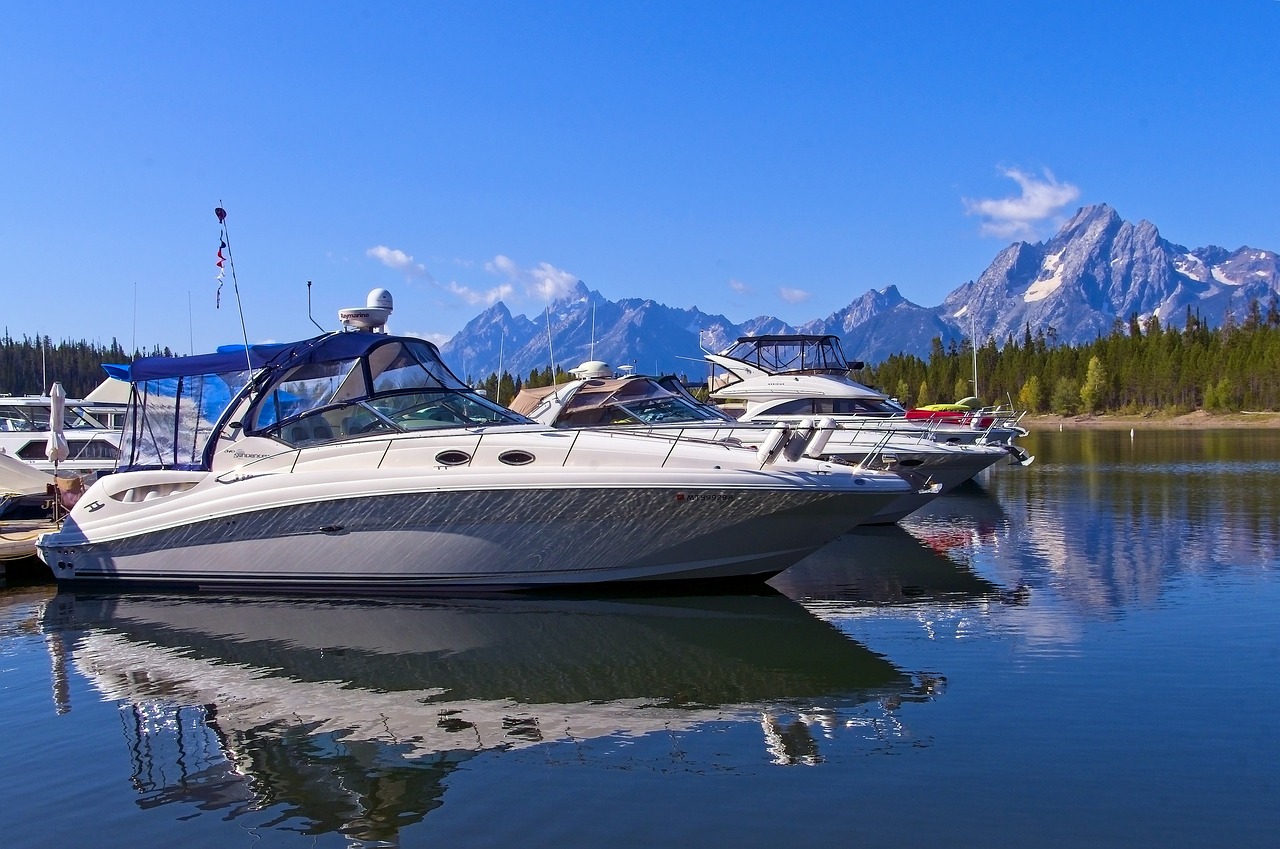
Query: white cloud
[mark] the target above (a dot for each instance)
(1016, 217)
(739, 287)
(399, 260)
(544, 281)
(471, 296)
(792, 296)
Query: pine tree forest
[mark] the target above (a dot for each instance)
(1140, 366)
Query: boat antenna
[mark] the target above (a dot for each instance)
(502, 341)
(313, 321)
(550, 348)
(191, 333)
(973, 330)
(235, 284)
(593, 331)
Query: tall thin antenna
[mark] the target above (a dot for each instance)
(313, 321)
(134, 342)
(593, 331)
(235, 284)
(191, 333)
(973, 331)
(502, 341)
(550, 349)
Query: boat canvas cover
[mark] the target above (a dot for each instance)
(601, 393)
(791, 353)
(527, 400)
(596, 394)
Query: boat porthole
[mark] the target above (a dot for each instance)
(453, 457)
(516, 458)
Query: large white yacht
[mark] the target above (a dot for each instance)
(357, 461)
(789, 377)
(598, 399)
(91, 428)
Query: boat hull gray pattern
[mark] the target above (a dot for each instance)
(464, 539)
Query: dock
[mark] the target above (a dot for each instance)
(18, 540)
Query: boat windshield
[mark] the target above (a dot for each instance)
(778, 354)
(395, 387)
(668, 410)
(35, 417)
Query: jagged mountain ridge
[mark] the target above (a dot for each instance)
(1096, 270)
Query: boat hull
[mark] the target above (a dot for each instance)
(449, 540)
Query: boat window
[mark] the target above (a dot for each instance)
(305, 388)
(798, 407)
(408, 365)
(422, 410)
(171, 420)
(664, 410)
(14, 419)
(392, 413)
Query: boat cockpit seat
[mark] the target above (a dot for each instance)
(298, 434)
(322, 431)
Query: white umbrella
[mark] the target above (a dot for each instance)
(56, 448)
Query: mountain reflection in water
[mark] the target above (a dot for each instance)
(350, 716)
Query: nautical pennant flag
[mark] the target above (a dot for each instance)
(221, 272)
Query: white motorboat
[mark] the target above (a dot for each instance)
(356, 461)
(91, 428)
(663, 405)
(789, 377)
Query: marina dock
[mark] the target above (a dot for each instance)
(18, 542)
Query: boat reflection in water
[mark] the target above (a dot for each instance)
(890, 565)
(349, 716)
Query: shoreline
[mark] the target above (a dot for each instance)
(1197, 420)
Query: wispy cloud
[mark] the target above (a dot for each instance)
(1016, 217)
(544, 281)
(792, 296)
(739, 287)
(399, 260)
(488, 297)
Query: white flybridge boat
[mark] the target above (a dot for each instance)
(598, 399)
(788, 377)
(356, 461)
(90, 427)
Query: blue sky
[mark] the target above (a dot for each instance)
(745, 158)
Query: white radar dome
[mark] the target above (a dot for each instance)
(371, 317)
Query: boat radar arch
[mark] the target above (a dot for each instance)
(373, 316)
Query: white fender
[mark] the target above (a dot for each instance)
(825, 427)
(769, 447)
(801, 433)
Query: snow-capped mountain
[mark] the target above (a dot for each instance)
(1098, 269)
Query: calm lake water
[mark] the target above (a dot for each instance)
(1079, 653)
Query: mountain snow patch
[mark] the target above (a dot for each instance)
(1046, 286)
(964, 309)
(1192, 267)
(1221, 277)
